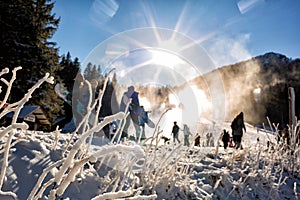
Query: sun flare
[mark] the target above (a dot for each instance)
(165, 58)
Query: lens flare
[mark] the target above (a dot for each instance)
(167, 61)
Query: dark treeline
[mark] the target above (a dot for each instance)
(26, 29)
(91, 73)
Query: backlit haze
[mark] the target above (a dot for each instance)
(168, 43)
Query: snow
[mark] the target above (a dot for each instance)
(56, 165)
(200, 173)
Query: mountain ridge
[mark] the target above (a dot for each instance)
(270, 73)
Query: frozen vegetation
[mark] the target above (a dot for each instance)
(55, 165)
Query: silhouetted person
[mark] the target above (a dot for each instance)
(186, 133)
(197, 140)
(225, 138)
(237, 126)
(175, 132)
(143, 119)
(134, 110)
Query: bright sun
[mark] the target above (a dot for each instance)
(164, 58)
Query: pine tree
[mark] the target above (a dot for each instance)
(88, 71)
(26, 29)
(99, 71)
(69, 70)
(93, 72)
(66, 76)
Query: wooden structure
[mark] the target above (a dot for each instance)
(32, 115)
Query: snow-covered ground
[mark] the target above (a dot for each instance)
(146, 171)
(40, 165)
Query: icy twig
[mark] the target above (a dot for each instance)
(116, 180)
(16, 108)
(43, 188)
(12, 194)
(270, 124)
(155, 136)
(218, 143)
(93, 116)
(104, 151)
(136, 150)
(143, 197)
(121, 185)
(99, 100)
(266, 129)
(41, 179)
(123, 122)
(113, 195)
(56, 135)
(71, 175)
(162, 165)
(4, 71)
(9, 84)
(156, 126)
(12, 127)
(76, 147)
(84, 121)
(280, 178)
(295, 190)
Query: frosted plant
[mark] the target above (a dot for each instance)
(262, 170)
(294, 148)
(126, 159)
(56, 136)
(147, 170)
(15, 107)
(75, 160)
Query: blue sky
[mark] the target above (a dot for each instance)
(229, 31)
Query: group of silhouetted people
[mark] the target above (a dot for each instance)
(136, 113)
(237, 129)
(186, 133)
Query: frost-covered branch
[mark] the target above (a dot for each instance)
(16, 108)
(113, 195)
(8, 84)
(56, 136)
(99, 99)
(104, 151)
(123, 122)
(99, 102)
(76, 147)
(12, 127)
(41, 179)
